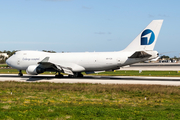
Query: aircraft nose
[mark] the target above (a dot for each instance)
(9, 61)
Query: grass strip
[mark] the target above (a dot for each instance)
(142, 73)
(21, 100)
(109, 73)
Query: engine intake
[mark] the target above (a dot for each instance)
(34, 70)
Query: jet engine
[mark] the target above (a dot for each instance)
(34, 70)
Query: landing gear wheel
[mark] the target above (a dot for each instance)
(70, 76)
(78, 75)
(59, 75)
(20, 73)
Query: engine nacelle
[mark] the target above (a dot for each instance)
(34, 70)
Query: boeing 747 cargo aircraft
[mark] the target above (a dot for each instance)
(140, 49)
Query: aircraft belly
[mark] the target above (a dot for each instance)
(99, 62)
(100, 67)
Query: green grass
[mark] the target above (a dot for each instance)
(88, 101)
(143, 73)
(116, 73)
(4, 65)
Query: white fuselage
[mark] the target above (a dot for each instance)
(79, 62)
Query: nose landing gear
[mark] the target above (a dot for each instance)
(20, 73)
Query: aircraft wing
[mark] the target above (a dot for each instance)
(140, 54)
(67, 68)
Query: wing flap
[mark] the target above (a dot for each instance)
(68, 71)
(64, 69)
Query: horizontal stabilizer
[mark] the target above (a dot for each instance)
(140, 54)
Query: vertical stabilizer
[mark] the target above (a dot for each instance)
(146, 40)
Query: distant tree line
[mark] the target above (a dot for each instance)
(164, 56)
(4, 58)
(9, 53)
(167, 57)
(48, 51)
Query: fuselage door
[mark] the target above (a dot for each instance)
(18, 61)
(118, 60)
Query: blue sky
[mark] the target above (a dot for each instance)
(86, 25)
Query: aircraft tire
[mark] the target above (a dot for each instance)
(76, 75)
(59, 76)
(20, 74)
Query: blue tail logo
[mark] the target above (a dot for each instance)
(147, 37)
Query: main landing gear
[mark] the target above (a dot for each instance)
(78, 74)
(20, 73)
(59, 75)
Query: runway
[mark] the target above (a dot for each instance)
(174, 81)
(153, 66)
